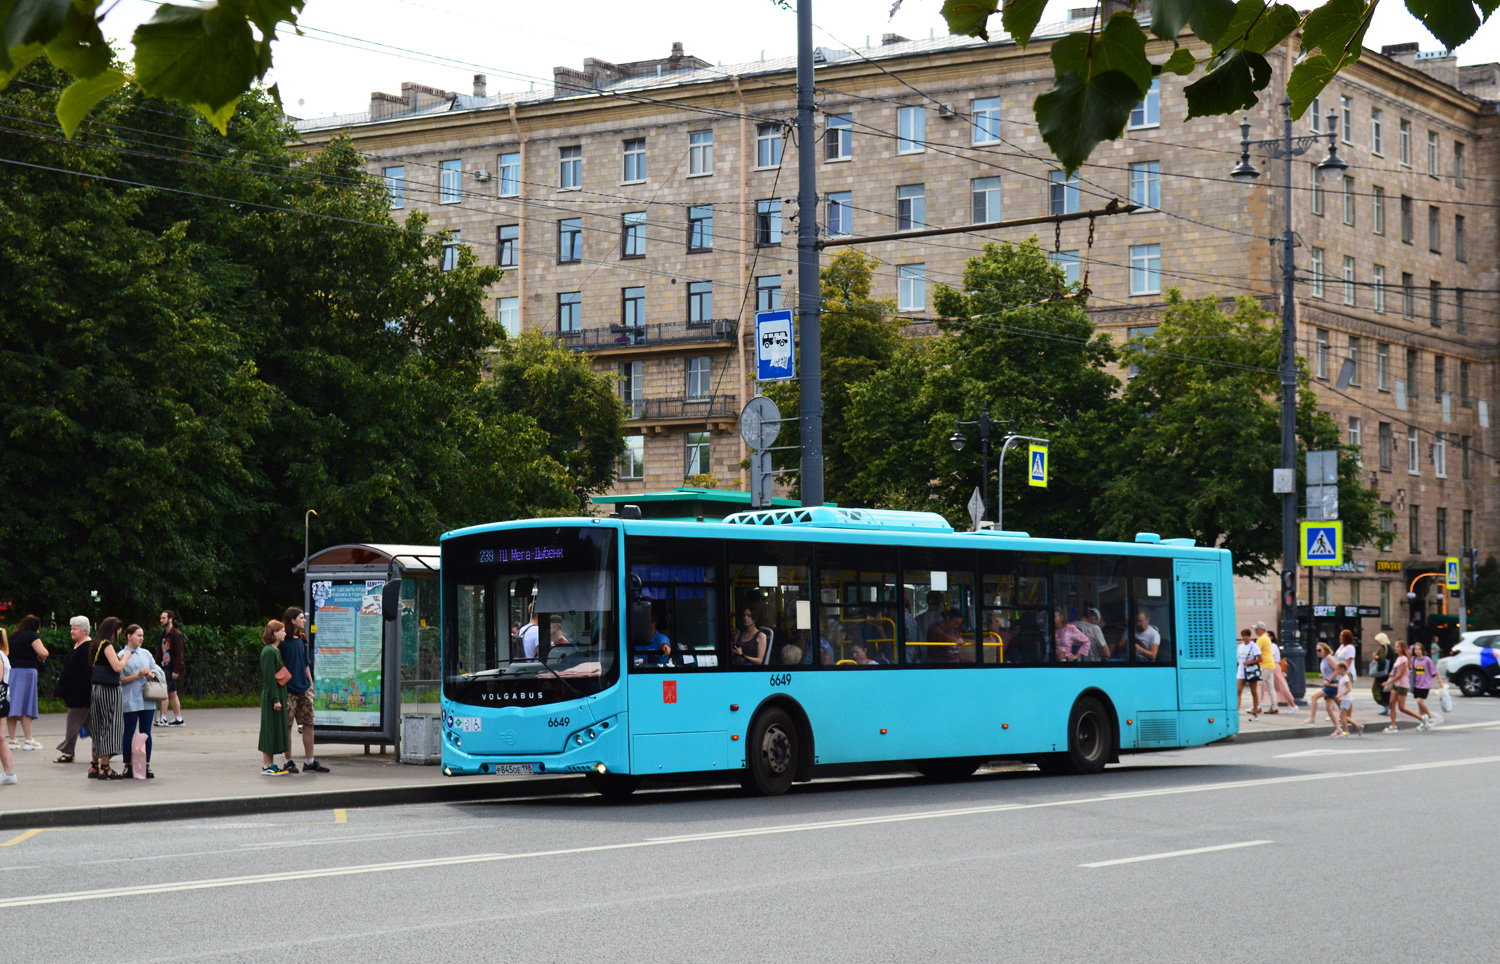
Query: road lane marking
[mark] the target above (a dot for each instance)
(347, 871)
(1467, 726)
(1176, 853)
(1373, 749)
(23, 835)
(340, 816)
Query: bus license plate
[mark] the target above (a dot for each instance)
(514, 769)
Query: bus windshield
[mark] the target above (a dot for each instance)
(529, 615)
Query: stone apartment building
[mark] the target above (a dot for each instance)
(638, 210)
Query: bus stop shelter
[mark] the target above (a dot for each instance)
(370, 665)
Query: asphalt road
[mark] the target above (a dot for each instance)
(1368, 851)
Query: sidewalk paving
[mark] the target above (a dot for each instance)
(210, 767)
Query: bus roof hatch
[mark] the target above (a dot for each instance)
(830, 517)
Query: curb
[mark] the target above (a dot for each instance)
(1301, 733)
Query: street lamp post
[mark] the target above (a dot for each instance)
(957, 440)
(1000, 489)
(306, 527)
(1332, 167)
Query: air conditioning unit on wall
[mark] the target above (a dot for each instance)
(481, 175)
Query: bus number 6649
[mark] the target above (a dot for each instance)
(781, 679)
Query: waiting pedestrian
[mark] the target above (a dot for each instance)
(1248, 673)
(1345, 698)
(73, 686)
(1397, 682)
(1264, 643)
(1424, 678)
(174, 665)
(27, 656)
(299, 689)
(275, 730)
(106, 718)
(7, 765)
(139, 664)
(1327, 688)
(1346, 653)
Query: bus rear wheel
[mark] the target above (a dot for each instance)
(771, 754)
(1090, 736)
(613, 786)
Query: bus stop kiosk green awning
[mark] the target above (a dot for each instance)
(373, 637)
(688, 503)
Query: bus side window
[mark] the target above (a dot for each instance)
(680, 581)
(1151, 601)
(772, 583)
(1015, 599)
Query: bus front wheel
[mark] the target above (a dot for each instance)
(613, 786)
(1090, 736)
(771, 754)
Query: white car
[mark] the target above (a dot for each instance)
(1473, 665)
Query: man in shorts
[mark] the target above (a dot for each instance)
(299, 693)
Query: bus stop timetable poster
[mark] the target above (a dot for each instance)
(348, 651)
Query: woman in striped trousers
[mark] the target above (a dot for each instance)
(106, 714)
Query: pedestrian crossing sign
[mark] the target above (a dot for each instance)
(1322, 544)
(1038, 474)
(1454, 580)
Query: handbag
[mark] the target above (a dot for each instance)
(103, 675)
(1446, 700)
(154, 689)
(4, 698)
(283, 676)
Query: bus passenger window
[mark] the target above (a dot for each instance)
(934, 581)
(771, 593)
(1151, 602)
(857, 590)
(1089, 593)
(679, 579)
(1015, 601)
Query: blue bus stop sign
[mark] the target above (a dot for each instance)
(773, 346)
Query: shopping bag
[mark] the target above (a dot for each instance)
(1446, 700)
(138, 756)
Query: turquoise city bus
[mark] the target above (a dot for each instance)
(775, 645)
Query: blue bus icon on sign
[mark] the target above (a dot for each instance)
(774, 346)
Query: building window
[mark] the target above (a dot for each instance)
(697, 461)
(1434, 304)
(1463, 384)
(768, 292)
(840, 214)
(1460, 245)
(1378, 201)
(911, 207)
(1433, 166)
(1349, 202)
(1439, 377)
(1383, 366)
(1139, 336)
(1385, 446)
(1315, 115)
(1145, 184)
(570, 311)
(768, 222)
(700, 382)
(1377, 132)
(700, 302)
(1385, 602)
(1408, 295)
(1070, 264)
(395, 186)
(1413, 464)
(1356, 430)
(1354, 591)
(508, 313)
(1323, 591)
(838, 138)
(1434, 232)
(1145, 269)
(507, 243)
(1440, 531)
(911, 285)
(700, 227)
(1468, 524)
(634, 163)
(1062, 193)
(986, 197)
(1147, 113)
(986, 120)
(633, 457)
(1346, 120)
(510, 174)
(450, 250)
(1348, 280)
(911, 130)
(1413, 528)
(700, 153)
(1405, 137)
(768, 145)
(633, 387)
(633, 307)
(1411, 372)
(1355, 360)
(569, 168)
(1408, 230)
(633, 234)
(450, 181)
(1317, 190)
(1316, 258)
(570, 240)
(1458, 164)
(1458, 310)
(1320, 352)
(1378, 287)
(1467, 467)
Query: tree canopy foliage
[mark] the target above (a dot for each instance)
(192, 364)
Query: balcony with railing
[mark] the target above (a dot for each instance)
(687, 410)
(633, 338)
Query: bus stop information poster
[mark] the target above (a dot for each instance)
(348, 652)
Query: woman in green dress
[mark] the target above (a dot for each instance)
(274, 733)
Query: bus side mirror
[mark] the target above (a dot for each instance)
(632, 588)
(390, 600)
(639, 629)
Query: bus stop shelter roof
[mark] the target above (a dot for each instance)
(413, 559)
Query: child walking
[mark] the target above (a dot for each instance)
(1345, 683)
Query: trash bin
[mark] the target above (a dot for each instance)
(421, 739)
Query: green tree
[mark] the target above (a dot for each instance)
(1199, 433)
(1484, 597)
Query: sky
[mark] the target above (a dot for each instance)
(353, 47)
